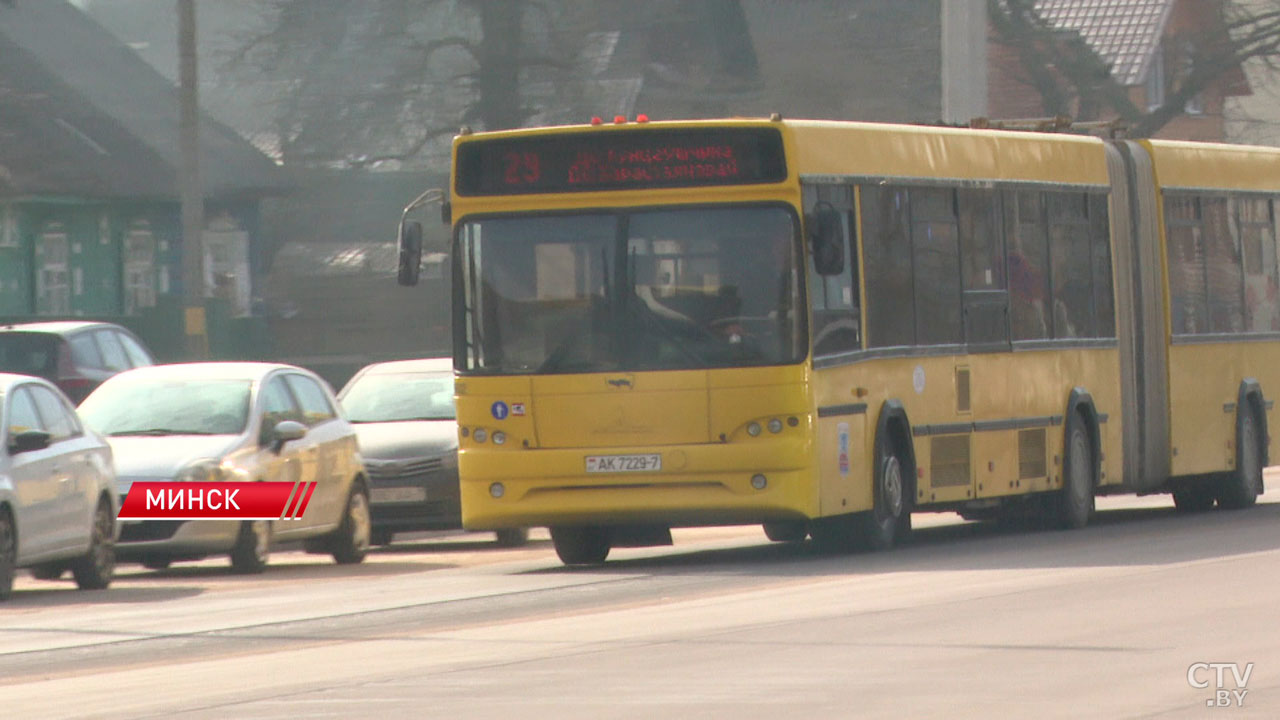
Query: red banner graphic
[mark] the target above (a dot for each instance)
(216, 501)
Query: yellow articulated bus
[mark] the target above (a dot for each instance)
(823, 327)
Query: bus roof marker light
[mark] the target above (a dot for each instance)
(759, 481)
(597, 120)
(619, 119)
(642, 118)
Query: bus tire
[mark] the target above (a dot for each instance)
(787, 531)
(1195, 497)
(888, 523)
(581, 545)
(1240, 489)
(1073, 504)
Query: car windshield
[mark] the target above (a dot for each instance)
(28, 353)
(399, 397)
(166, 406)
(649, 290)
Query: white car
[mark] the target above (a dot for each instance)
(57, 489)
(225, 421)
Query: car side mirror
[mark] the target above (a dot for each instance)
(286, 431)
(29, 440)
(410, 252)
(826, 239)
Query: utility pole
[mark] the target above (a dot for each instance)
(191, 187)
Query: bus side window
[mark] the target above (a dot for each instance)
(834, 298)
(1189, 302)
(986, 303)
(1027, 256)
(1069, 251)
(1261, 274)
(886, 243)
(935, 251)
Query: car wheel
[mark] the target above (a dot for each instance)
(1240, 489)
(48, 571)
(252, 550)
(94, 569)
(581, 545)
(512, 537)
(8, 553)
(351, 541)
(789, 531)
(381, 537)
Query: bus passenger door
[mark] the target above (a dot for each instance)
(982, 376)
(836, 331)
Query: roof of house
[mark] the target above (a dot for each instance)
(1125, 33)
(125, 112)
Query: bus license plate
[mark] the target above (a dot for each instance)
(623, 463)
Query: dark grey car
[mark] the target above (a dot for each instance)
(405, 424)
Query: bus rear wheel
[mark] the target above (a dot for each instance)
(787, 531)
(1241, 488)
(1073, 504)
(1195, 497)
(581, 545)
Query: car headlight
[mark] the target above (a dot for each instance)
(207, 470)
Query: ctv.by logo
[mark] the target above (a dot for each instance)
(1199, 675)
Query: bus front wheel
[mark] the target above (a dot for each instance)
(888, 523)
(581, 545)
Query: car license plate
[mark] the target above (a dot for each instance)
(398, 495)
(623, 463)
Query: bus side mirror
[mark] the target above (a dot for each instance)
(410, 252)
(826, 239)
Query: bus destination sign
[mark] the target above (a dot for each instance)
(612, 160)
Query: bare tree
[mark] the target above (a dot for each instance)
(357, 82)
(1071, 78)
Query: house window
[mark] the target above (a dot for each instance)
(8, 227)
(139, 269)
(1155, 80)
(53, 286)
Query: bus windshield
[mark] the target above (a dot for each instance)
(644, 290)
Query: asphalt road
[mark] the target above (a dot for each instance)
(968, 621)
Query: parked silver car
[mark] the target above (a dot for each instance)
(227, 421)
(57, 500)
(404, 418)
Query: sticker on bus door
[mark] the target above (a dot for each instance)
(842, 441)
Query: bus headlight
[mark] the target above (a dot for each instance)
(759, 481)
(499, 437)
(497, 490)
(480, 435)
(753, 429)
(775, 426)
